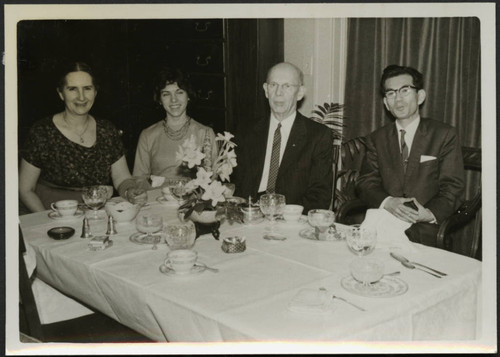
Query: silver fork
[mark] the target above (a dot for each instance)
(344, 300)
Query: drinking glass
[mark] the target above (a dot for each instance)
(360, 240)
(94, 197)
(178, 190)
(180, 235)
(321, 220)
(272, 206)
(149, 223)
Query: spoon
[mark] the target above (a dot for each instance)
(411, 266)
(215, 270)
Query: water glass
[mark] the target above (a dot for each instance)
(361, 240)
(321, 220)
(272, 206)
(180, 235)
(149, 223)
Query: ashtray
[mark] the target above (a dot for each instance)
(234, 245)
(61, 232)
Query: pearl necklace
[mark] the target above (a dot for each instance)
(176, 134)
(82, 140)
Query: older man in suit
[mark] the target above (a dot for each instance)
(286, 153)
(414, 161)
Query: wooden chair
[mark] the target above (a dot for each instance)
(93, 328)
(352, 209)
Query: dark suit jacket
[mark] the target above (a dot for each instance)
(305, 173)
(437, 184)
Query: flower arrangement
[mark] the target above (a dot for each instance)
(207, 190)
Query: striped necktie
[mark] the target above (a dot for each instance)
(404, 150)
(275, 160)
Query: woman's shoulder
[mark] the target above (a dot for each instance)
(153, 130)
(43, 124)
(200, 127)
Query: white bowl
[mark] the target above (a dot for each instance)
(122, 211)
(292, 213)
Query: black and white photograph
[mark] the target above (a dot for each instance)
(250, 178)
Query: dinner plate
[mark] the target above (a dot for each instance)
(166, 202)
(308, 233)
(388, 286)
(142, 238)
(197, 269)
(54, 215)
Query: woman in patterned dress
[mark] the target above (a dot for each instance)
(71, 149)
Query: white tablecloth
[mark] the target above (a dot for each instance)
(247, 300)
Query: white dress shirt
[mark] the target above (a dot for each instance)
(286, 127)
(410, 130)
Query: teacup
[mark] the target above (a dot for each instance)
(182, 260)
(65, 207)
(292, 213)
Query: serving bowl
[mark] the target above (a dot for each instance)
(122, 211)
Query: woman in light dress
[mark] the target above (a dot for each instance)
(159, 143)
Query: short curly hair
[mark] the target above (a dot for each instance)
(170, 75)
(394, 70)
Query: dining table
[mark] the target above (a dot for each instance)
(295, 289)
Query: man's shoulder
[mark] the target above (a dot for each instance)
(310, 124)
(435, 124)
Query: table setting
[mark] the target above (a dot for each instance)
(188, 261)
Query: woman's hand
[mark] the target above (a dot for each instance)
(28, 178)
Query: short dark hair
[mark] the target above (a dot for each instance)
(75, 67)
(394, 70)
(170, 75)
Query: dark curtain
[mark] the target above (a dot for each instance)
(447, 51)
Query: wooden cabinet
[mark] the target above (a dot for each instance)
(227, 60)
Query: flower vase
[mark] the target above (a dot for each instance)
(206, 223)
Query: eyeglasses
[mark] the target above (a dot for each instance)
(285, 86)
(404, 91)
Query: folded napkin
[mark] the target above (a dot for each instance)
(157, 181)
(390, 230)
(312, 301)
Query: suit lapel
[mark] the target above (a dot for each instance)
(295, 143)
(417, 148)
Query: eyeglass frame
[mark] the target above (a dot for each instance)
(285, 86)
(395, 91)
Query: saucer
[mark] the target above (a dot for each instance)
(142, 238)
(308, 233)
(166, 202)
(196, 269)
(57, 217)
(388, 286)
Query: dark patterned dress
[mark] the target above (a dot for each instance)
(68, 164)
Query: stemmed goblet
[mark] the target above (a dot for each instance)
(149, 223)
(178, 190)
(95, 197)
(321, 220)
(272, 206)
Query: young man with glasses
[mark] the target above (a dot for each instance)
(412, 162)
(285, 153)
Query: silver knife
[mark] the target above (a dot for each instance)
(403, 259)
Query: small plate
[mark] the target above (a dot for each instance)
(166, 202)
(59, 233)
(388, 286)
(308, 233)
(141, 238)
(197, 269)
(54, 215)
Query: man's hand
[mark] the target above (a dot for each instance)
(396, 206)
